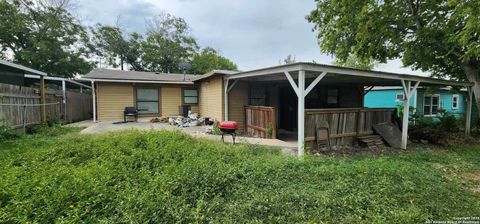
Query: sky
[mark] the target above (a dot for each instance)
(251, 33)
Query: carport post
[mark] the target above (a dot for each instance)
(468, 112)
(301, 113)
(226, 91)
(408, 92)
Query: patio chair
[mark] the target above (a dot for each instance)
(323, 135)
(130, 112)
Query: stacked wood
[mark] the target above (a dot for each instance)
(370, 141)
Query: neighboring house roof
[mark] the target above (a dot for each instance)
(110, 75)
(21, 67)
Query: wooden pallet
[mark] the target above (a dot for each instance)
(371, 141)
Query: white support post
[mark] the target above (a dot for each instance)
(408, 90)
(64, 93)
(94, 100)
(225, 100)
(301, 113)
(81, 89)
(468, 112)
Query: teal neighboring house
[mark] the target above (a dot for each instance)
(427, 103)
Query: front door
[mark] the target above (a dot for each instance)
(288, 109)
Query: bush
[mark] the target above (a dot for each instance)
(170, 177)
(7, 133)
(440, 132)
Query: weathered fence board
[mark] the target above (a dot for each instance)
(79, 106)
(345, 123)
(21, 105)
(260, 121)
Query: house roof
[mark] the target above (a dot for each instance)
(215, 72)
(21, 67)
(338, 74)
(110, 75)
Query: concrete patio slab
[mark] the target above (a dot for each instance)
(287, 147)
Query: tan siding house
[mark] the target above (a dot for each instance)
(112, 98)
(211, 97)
(158, 94)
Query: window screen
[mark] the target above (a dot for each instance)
(258, 96)
(332, 96)
(147, 100)
(190, 96)
(455, 99)
(431, 104)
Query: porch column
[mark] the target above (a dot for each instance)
(94, 100)
(301, 113)
(408, 92)
(468, 112)
(225, 100)
(227, 90)
(301, 93)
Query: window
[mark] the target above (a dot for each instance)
(431, 104)
(257, 96)
(455, 99)
(332, 96)
(399, 97)
(147, 101)
(190, 96)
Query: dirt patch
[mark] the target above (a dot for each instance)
(475, 178)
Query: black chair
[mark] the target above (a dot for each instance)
(130, 112)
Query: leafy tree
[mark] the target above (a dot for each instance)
(288, 60)
(208, 59)
(353, 61)
(43, 35)
(109, 43)
(168, 43)
(439, 36)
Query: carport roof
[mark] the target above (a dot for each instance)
(337, 74)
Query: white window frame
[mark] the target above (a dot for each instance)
(457, 97)
(431, 104)
(399, 94)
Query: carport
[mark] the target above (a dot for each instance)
(304, 77)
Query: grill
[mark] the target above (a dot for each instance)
(229, 128)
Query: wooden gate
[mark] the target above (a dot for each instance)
(260, 121)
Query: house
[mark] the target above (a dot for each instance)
(426, 102)
(296, 98)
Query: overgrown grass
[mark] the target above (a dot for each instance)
(165, 177)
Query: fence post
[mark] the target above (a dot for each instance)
(43, 113)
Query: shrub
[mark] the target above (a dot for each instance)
(216, 130)
(7, 133)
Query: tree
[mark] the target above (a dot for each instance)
(439, 36)
(43, 35)
(168, 43)
(208, 59)
(109, 43)
(353, 61)
(288, 60)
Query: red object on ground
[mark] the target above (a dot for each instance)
(228, 125)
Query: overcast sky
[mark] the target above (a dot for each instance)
(252, 33)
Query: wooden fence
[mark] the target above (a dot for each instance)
(21, 105)
(79, 106)
(345, 124)
(260, 121)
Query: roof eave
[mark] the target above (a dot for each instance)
(135, 81)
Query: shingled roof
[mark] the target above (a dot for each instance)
(107, 75)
